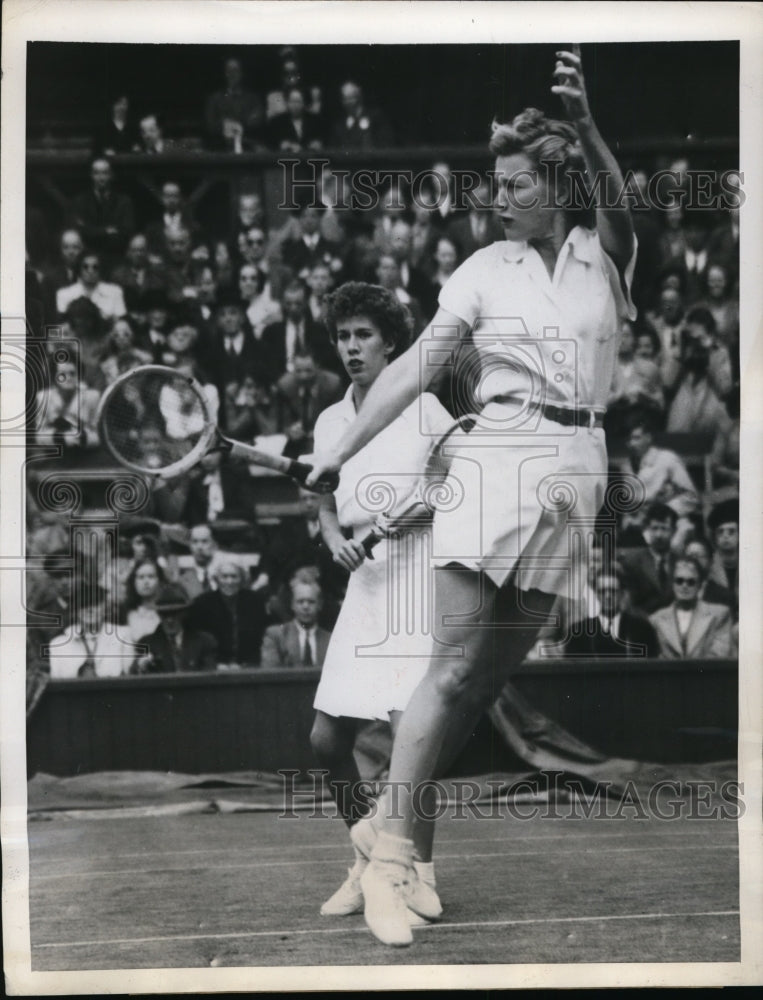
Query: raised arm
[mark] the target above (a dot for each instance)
(613, 219)
(395, 389)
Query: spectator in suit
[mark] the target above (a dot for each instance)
(65, 413)
(298, 331)
(359, 127)
(234, 615)
(711, 591)
(722, 304)
(250, 213)
(723, 523)
(179, 264)
(388, 276)
(661, 472)
(320, 282)
(88, 648)
(723, 244)
(689, 628)
(441, 200)
(199, 578)
(63, 273)
(175, 646)
(233, 115)
(479, 227)
(300, 255)
(151, 140)
(296, 129)
(137, 273)
(234, 353)
(216, 489)
(300, 396)
(175, 218)
(105, 295)
(667, 323)
(103, 217)
(250, 409)
(118, 133)
(647, 570)
(615, 632)
(300, 642)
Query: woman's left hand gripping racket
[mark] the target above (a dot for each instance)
(158, 421)
(422, 504)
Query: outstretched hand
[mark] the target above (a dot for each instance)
(570, 84)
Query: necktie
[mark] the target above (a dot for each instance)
(307, 653)
(205, 581)
(305, 410)
(662, 573)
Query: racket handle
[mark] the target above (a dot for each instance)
(369, 543)
(300, 471)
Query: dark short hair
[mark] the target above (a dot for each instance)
(661, 512)
(692, 562)
(703, 317)
(358, 298)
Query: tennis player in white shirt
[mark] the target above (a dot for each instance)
(543, 307)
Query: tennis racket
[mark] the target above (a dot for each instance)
(428, 494)
(160, 422)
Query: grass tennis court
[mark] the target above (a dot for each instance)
(243, 889)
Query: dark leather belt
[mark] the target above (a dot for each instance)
(565, 415)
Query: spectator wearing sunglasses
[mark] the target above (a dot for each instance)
(690, 628)
(108, 297)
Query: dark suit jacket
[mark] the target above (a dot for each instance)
(223, 367)
(238, 495)
(281, 129)
(273, 344)
(376, 133)
(55, 278)
(636, 637)
(280, 646)
(460, 231)
(93, 217)
(298, 257)
(239, 641)
(709, 632)
(643, 582)
(293, 404)
(198, 651)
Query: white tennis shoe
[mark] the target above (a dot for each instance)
(347, 899)
(384, 885)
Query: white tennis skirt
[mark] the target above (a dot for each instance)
(521, 501)
(381, 643)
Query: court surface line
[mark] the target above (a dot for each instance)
(315, 932)
(439, 857)
(62, 859)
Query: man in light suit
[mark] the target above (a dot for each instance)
(299, 642)
(690, 628)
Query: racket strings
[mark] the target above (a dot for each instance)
(153, 419)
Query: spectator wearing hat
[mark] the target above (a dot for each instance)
(723, 524)
(689, 628)
(175, 646)
(299, 642)
(91, 646)
(234, 615)
(234, 353)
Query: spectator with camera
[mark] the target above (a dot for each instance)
(704, 380)
(175, 646)
(689, 628)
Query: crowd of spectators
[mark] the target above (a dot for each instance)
(207, 583)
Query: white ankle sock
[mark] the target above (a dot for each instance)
(389, 848)
(425, 871)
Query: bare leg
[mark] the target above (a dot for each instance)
(333, 740)
(458, 687)
(423, 830)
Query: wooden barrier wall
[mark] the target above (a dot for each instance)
(651, 710)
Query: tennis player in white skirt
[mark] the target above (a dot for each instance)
(544, 307)
(380, 646)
